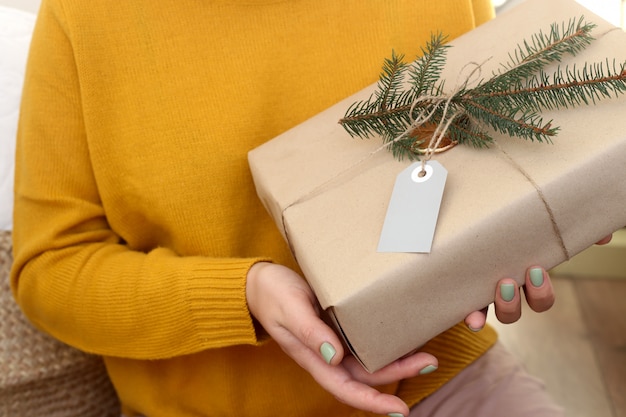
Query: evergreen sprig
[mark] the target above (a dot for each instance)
(409, 104)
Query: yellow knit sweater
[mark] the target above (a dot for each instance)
(136, 219)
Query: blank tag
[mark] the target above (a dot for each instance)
(414, 208)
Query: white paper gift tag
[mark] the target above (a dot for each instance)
(414, 208)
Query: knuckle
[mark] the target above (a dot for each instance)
(541, 304)
(307, 335)
(508, 317)
(340, 398)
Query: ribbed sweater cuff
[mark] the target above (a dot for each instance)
(218, 305)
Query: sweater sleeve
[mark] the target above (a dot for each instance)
(73, 276)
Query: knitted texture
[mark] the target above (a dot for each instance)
(136, 219)
(40, 376)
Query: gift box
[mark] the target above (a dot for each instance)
(505, 208)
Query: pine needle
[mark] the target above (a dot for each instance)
(409, 102)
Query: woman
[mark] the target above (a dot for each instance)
(138, 235)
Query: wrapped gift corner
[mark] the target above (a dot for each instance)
(505, 208)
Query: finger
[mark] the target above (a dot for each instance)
(314, 335)
(538, 289)
(418, 363)
(476, 320)
(340, 383)
(507, 302)
(605, 240)
(346, 379)
(352, 384)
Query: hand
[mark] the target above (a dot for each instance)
(537, 290)
(286, 307)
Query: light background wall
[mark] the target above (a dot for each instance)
(28, 5)
(611, 10)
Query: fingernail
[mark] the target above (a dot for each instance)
(328, 352)
(507, 291)
(536, 277)
(428, 369)
(395, 415)
(475, 329)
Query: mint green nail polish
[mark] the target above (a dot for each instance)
(474, 329)
(536, 277)
(428, 369)
(507, 291)
(328, 352)
(395, 415)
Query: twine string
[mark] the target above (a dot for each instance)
(423, 116)
(542, 197)
(441, 131)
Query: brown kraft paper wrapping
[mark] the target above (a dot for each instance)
(504, 209)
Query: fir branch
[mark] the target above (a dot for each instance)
(529, 125)
(366, 119)
(566, 88)
(385, 109)
(390, 81)
(426, 71)
(551, 48)
(510, 102)
(467, 131)
(540, 52)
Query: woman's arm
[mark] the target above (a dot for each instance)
(73, 275)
